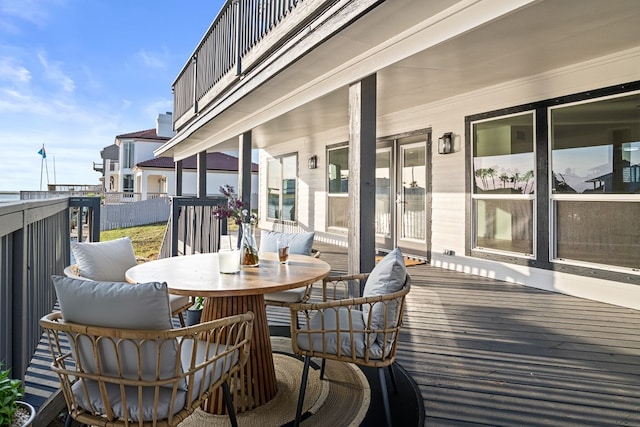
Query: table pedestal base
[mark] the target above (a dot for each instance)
(256, 383)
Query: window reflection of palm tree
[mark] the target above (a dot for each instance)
(492, 172)
(526, 178)
(484, 174)
(504, 177)
(515, 179)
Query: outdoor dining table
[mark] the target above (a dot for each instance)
(229, 294)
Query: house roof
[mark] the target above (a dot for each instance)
(143, 134)
(215, 161)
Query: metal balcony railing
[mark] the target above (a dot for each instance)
(244, 33)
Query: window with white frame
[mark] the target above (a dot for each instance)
(282, 176)
(503, 184)
(595, 181)
(127, 155)
(338, 187)
(127, 183)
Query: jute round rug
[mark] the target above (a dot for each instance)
(342, 398)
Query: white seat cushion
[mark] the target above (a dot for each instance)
(104, 261)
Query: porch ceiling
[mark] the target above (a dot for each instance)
(422, 52)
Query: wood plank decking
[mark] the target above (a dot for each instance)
(489, 353)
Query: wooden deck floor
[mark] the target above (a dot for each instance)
(489, 353)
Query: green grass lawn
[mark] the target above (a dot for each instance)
(146, 239)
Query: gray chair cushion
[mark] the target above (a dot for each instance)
(299, 243)
(388, 276)
(214, 371)
(114, 304)
(288, 296)
(125, 306)
(329, 341)
(122, 306)
(104, 261)
(93, 399)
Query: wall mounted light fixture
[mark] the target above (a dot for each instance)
(445, 143)
(313, 162)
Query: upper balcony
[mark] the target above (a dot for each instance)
(243, 34)
(282, 68)
(249, 36)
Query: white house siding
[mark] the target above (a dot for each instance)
(143, 150)
(449, 171)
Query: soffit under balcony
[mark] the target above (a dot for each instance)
(420, 60)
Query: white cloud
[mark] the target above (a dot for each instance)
(12, 72)
(53, 72)
(28, 10)
(156, 107)
(153, 60)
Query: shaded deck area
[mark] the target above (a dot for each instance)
(489, 353)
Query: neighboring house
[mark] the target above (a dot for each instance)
(110, 167)
(445, 128)
(158, 175)
(136, 147)
(140, 174)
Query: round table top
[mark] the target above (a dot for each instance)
(199, 275)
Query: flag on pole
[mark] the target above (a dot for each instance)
(43, 153)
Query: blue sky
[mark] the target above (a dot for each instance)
(76, 73)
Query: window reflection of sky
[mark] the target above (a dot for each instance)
(414, 177)
(505, 171)
(578, 167)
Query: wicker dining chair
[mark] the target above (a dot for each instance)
(151, 375)
(109, 261)
(363, 331)
(300, 244)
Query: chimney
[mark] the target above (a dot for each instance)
(164, 125)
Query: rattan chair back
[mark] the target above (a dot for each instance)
(172, 372)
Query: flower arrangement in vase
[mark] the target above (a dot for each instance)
(236, 211)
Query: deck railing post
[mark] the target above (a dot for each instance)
(195, 83)
(236, 6)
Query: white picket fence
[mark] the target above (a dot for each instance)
(135, 213)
